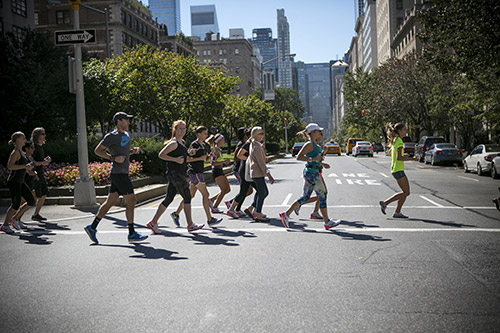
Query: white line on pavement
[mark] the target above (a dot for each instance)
(285, 202)
(432, 202)
(383, 174)
(474, 180)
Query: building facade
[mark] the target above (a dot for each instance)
(16, 16)
(262, 38)
(284, 60)
(204, 20)
(167, 12)
(370, 36)
(319, 99)
(179, 44)
(130, 24)
(359, 9)
(300, 84)
(405, 40)
(337, 71)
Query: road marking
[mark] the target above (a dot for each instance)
(366, 206)
(332, 175)
(338, 181)
(285, 202)
(432, 202)
(383, 174)
(474, 180)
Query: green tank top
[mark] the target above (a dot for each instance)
(313, 166)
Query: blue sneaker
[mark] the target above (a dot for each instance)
(175, 217)
(214, 221)
(136, 237)
(92, 233)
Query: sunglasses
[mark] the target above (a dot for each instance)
(42, 133)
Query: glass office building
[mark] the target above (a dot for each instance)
(319, 99)
(262, 38)
(203, 20)
(168, 13)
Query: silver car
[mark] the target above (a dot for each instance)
(495, 168)
(442, 153)
(479, 160)
(362, 148)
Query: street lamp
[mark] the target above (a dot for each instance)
(105, 13)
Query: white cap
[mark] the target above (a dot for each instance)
(313, 127)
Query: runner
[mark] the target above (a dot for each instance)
(257, 170)
(216, 141)
(311, 153)
(175, 153)
(395, 133)
(117, 144)
(18, 164)
(31, 176)
(38, 137)
(198, 153)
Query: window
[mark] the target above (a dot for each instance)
(62, 17)
(124, 17)
(129, 20)
(209, 53)
(236, 51)
(19, 7)
(399, 4)
(18, 33)
(220, 52)
(36, 18)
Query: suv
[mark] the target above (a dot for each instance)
(424, 144)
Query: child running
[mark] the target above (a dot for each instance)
(395, 134)
(216, 142)
(175, 153)
(198, 153)
(311, 153)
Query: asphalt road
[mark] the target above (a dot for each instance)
(437, 271)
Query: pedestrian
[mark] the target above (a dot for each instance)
(241, 153)
(496, 201)
(218, 162)
(313, 180)
(395, 133)
(198, 153)
(39, 137)
(115, 146)
(18, 164)
(30, 176)
(258, 171)
(175, 153)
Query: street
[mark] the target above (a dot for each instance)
(436, 271)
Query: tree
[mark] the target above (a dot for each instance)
(285, 99)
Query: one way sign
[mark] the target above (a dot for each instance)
(86, 36)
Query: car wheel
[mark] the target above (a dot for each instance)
(494, 173)
(479, 170)
(466, 168)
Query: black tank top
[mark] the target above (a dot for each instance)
(174, 167)
(17, 176)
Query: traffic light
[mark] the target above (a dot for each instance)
(284, 120)
(363, 112)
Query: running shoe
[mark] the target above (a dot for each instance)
(399, 216)
(240, 213)
(228, 204)
(22, 225)
(284, 219)
(154, 227)
(92, 233)
(332, 224)
(315, 216)
(38, 217)
(15, 223)
(255, 215)
(232, 214)
(136, 237)
(297, 210)
(249, 213)
(214, 221)
(383, 206)
(175, 217)
(194, 227)
(216, 211)
(7, 229)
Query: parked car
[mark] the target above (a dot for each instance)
(443, 152)
(424, 144)
(331, 148)
(409, 148)
(362, 148)
(495, 168)
(377, 147)
(351, 142)
(480, 158)
(296, 148)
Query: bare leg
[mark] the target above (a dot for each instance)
(324, 213)
(106, 206)
(224, 189)
(39, 204)
(10, 212)
(187, 212)
(202, 187)
(130, 206)
(400, 197)
(192, 189)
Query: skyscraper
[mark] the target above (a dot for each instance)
(359, 9)
(168, 13)
(203, 20)
(284, 61)
(262, 38)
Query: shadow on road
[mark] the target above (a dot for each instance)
(147, 252)
(229, 233)
(36, 237)
(445, 223)
(358, 237)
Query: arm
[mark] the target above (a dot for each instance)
(215, 155)
(13, 158)
(241, 154)
(100, 151)
(402, 157)
(170, 147)
(307, 148)
(236, 153)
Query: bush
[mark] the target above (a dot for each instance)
(272, 147)
(150, 147)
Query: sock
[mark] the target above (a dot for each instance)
(95, 223)
(131, 229)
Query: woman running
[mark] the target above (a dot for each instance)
(31, 175)
(258, 171)
(198, 153)
(38, 137)
(311, 153)
(216, 142)
(175, 153)
(395, 134)
(18, 164)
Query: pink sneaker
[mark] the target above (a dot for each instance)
(232, 214)
(194, 227)
(154, 227)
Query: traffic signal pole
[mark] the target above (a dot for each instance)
(84, 196)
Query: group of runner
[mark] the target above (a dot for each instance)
(185, 174)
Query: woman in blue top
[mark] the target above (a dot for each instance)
(311, 153)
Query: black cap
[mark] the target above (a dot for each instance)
(121, 115)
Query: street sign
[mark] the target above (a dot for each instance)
(71, 37)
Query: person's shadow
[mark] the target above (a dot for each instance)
(147, 252)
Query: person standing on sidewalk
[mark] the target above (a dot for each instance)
(117, 144)
(198, 153)
(216, 142)
(18, 164)
(311, 154)
(395, 134)
(38, 137)
(175, 153)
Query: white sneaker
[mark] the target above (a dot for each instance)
(297, 210)
(332, 224)
(15, 224)
(22, 225)
(7, 229)
(217, 211)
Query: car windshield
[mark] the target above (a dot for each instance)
(431, 141)
(363, 144)
(446, 145)
(492, 148)
(352, 141)
(298, 144)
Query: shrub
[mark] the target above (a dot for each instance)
(272, 147)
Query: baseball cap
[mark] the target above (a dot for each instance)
(313, 127)
(121, 115)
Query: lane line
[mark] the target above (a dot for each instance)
(432, 202)
(383, 174)
(474, 180)
(285, 202)
(370, 206)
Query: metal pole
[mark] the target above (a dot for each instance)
(84, 186)
(108, 49)
(286, 139)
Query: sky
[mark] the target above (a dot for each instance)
(320, 30)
